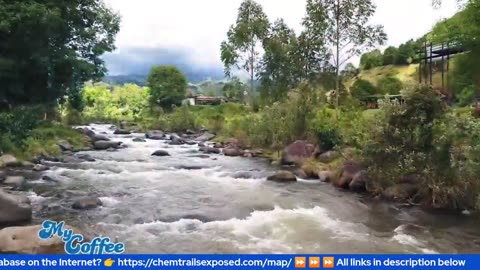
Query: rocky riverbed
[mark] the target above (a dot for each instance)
(179, 193)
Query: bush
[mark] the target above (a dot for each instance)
(419, 138)
(362, 88)
(389, 85)
(181, 119)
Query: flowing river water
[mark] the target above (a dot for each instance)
(186, 203)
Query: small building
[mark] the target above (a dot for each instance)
(202, 100)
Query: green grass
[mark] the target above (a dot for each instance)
(43, 140)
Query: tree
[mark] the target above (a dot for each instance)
(277, 75)
(389, 85)
(243, 38)
(168, 86)
(390, 56)
(234, 89)
(406, 52)
(346, 27)
(49, 48)
(350, 71)
(363, 88)
(371, 59)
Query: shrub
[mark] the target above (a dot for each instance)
(419, 138)
(389, 85)
(362, 88)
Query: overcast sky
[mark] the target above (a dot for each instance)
(190, 31)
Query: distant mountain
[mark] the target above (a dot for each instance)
(193, 77)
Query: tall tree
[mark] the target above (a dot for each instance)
(49, 48)
(390, 56)
(241, 50)
(277, 70)
(347, 29)
(168, 86)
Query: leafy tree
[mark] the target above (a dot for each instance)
(277, 75)
(234, 89)
(168, 86)
(362, 88)
(371, 59)
(350, 71)
(407, 52)
(346, 27)
(243, 38)
(49, 48)
(389, 85)
(390, 56)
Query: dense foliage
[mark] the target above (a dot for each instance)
(49, 48)
(168, 86)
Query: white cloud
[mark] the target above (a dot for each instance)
(200, 26)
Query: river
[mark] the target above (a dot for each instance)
(187, 203)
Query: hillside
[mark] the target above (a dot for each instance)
(408, 74)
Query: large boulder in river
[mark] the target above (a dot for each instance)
(232, 152)
(3, 176)
(349, 170)
(359, 181)
(210, 150)
(297, 152)
(283, 176)
(122, 132)
(86, 203)
(155, 135)
(16, 182)
(64, 145)
(9, 161)
(90, 133)
(104, 145)
(138, 140)
(14, 209)
(177, 141)
(160, 153)
(25, 240)
(205, 137)
(99, 137)
(328, 156)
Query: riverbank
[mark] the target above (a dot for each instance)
(182, 200)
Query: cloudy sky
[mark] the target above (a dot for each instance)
(188, 32)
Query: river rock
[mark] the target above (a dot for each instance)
(90, 133)
(297, 152)
(359, 181)
(202, 144)
(139, 140)
(210, 150)
(87, 203)
(325, 176)
(49, 179)
(14, 208)
(160, 153)
(122, 132)
(104, 145)
(349, 170)
(8, 161)
(40, 168)
(64, 145)
(16, 182)
(232, 152)
(155, 135)
(25, 240)
(400, 192)
(3, 176)
(190, 167)
(190, 142)
(301, 174)
(328, 156)
(205, 137)
(99, 137)
(283, 176)
(177, 141)
(85, 157)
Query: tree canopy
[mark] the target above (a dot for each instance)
(168, 86)
(49, 48)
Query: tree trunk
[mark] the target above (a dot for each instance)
(252, 59)
(337, 69)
